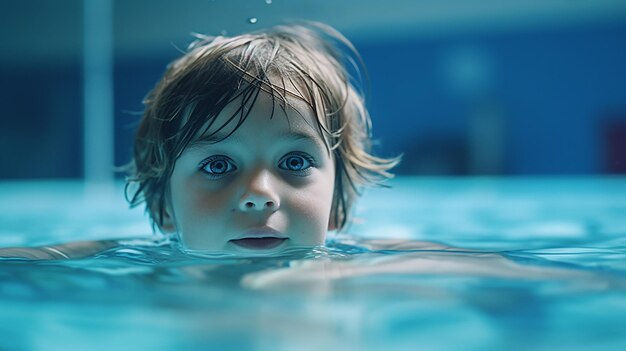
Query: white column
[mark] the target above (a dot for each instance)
(98, 91)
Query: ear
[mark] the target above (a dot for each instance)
(331, 221)
(331, 225)
(169, 223)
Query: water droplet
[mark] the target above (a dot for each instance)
(252, 20)
(268, 1)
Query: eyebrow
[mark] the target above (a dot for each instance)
(219, 137)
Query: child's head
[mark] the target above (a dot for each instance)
(257, 141)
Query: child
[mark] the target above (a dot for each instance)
(255, 143)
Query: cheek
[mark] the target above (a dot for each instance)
(198, 213)
(192, 201)
(309, 213)
(314, 204)
(202, 202)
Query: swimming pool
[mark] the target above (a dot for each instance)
(532, 263)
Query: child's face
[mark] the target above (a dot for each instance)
(266, 187)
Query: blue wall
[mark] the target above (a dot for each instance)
(554, 89)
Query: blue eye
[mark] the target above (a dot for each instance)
(296, 162)
(217, 165)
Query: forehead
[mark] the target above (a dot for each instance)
(269, 112)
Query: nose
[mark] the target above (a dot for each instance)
(260, 193)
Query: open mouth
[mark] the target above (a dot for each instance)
(262, 243)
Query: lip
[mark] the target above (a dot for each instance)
(261, 238)
(259, 243)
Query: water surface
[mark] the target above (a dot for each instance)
(435, 264)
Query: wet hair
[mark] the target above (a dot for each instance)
(215, 71)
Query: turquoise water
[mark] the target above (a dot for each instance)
(431, 264)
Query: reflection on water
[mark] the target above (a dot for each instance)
(354, 294)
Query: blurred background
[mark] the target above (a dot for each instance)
(463, 87)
